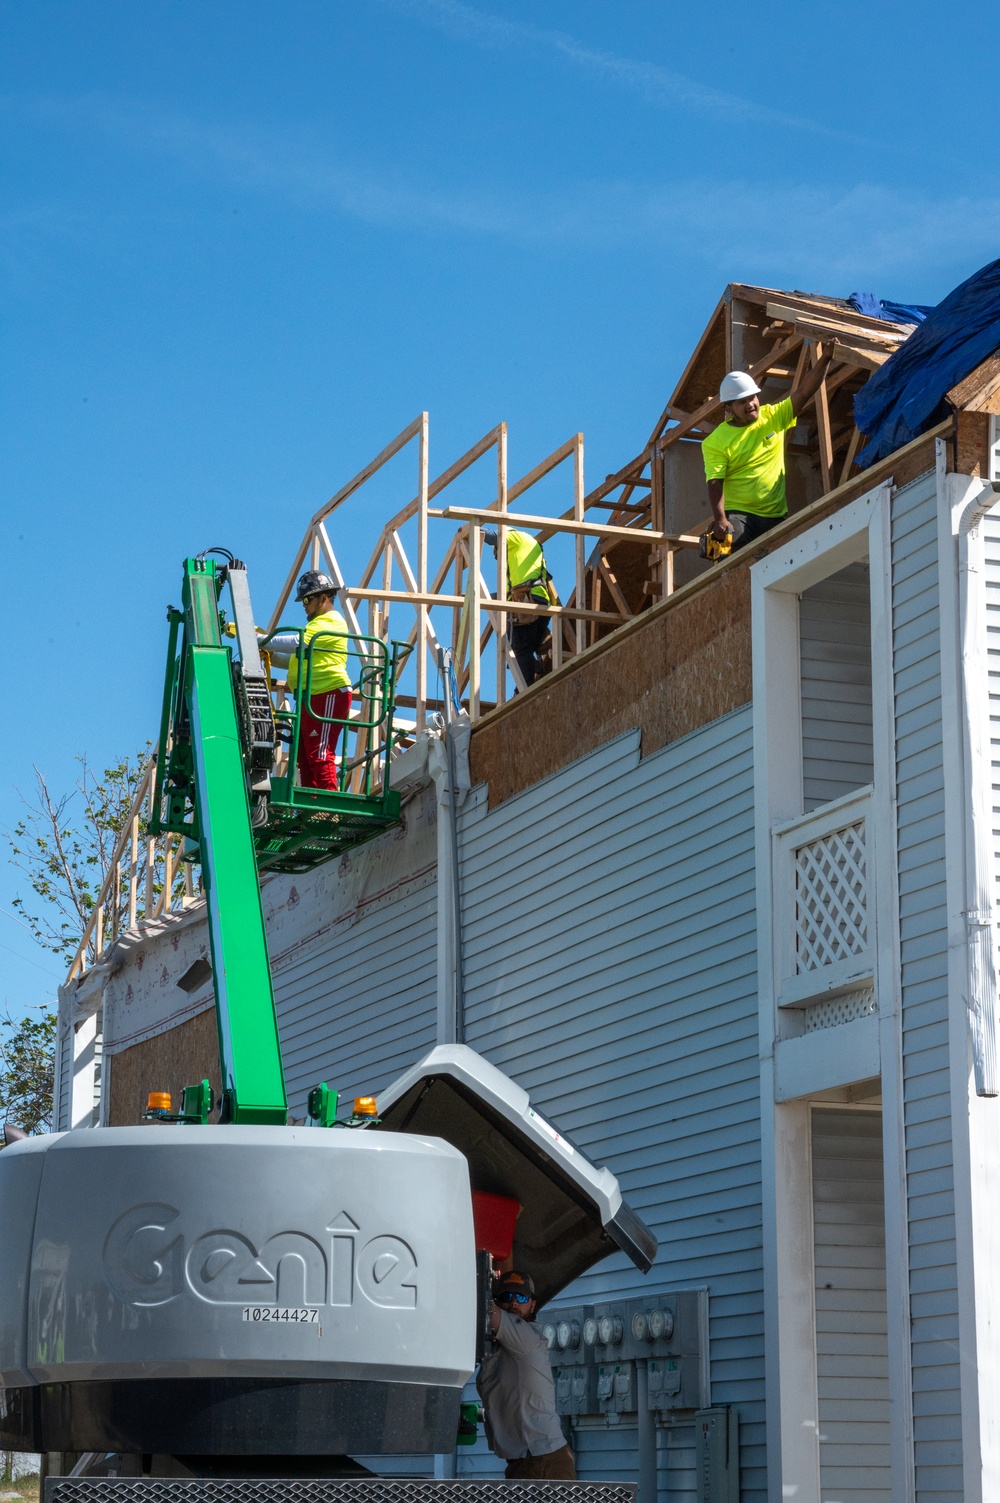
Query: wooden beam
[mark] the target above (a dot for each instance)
(852, 449)
(607, 574)
(391, 449)
(487, 603)
(823, 428)
(825, 327)
(582, 529)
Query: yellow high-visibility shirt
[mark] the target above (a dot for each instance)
(750, 461)
(329, 656)
(526, 563)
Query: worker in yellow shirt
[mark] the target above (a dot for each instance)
(528, 580)
(745, 455)
(325, 641)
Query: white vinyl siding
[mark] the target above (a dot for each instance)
(835, 652)
(610, 966)
(357, 1006)
(852, 1348)
(924, 987)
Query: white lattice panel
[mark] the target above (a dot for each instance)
(823, 905)
(831, 898)
(845, 1009)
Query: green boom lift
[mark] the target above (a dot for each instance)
(216, 787)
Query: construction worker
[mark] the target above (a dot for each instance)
(329, 681)
(527, 580)
(516, 1387)
(745, 455)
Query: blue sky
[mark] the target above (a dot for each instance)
(243, 244)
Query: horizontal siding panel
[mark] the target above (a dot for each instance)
(924, 966)
(605, 971)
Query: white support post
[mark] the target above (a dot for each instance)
(501, 619)
(421, 715)
(581, 562)
(314, 551)
(82, 1041)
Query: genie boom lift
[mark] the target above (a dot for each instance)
(246, 1298)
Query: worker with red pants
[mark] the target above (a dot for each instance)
(325, 642)
(516, 1387)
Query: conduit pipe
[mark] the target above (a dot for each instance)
(646, 1420)
(448, 765)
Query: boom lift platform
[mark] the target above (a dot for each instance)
(250, 1297)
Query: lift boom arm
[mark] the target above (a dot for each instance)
(201, 762)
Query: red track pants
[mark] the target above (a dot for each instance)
(318, 738)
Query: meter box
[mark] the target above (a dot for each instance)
(616, 1388)
(601, 1345)
(717, 1438)
(563, 1332)
(663, 1388)
(575, 1390)
(666, 1325)
(605, 1332)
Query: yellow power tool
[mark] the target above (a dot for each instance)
(713, 548)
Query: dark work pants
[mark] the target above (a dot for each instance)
(556, 1465)
(748, 527)
(528, 643)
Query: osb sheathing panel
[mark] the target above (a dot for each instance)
(684, 668)
(182, 1057)
(972, 443)
(685, 665)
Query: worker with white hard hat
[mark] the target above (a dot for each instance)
(745, 455)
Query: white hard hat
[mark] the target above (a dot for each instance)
(736, 386)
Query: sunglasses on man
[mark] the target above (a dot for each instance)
(519, 1299)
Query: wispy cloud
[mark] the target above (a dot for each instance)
(788, 233)
(652, 82)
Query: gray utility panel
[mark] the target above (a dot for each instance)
(594, 1351)
(250, 1290)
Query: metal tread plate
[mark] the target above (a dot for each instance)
(351, 1490)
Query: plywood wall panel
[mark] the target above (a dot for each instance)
(683, 669)
(169, 1062)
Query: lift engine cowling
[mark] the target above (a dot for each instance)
(234, 1289)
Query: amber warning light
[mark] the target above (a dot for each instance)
(365, 1106)
(159, 1101)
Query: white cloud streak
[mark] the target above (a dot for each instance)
(651, 82)
(782, 233)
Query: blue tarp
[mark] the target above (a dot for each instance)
(906, 396)
(900, 313)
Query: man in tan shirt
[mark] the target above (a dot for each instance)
(516, 1387)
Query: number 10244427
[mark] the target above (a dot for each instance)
(301, 1315)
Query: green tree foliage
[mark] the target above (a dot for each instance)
(27, 1051)
(64, 846)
